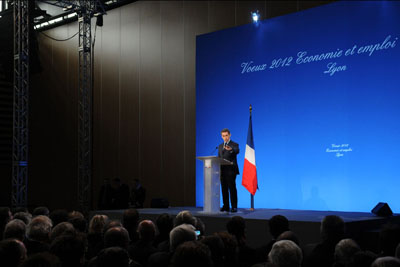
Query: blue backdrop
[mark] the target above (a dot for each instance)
(324, 86)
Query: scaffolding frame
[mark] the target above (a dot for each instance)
(85, 104)
(21, 105)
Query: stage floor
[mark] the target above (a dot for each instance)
(362, 226)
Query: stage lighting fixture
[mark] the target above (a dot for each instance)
(255, 15)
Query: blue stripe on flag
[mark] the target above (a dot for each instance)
(250, 140)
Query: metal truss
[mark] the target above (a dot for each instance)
(21, 104)
(85, 104)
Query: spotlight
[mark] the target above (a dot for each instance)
(255, 15)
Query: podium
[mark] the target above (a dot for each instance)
(211, 176)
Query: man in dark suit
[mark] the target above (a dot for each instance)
(228, 150)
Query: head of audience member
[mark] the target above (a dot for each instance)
(5, 217)
(40, 211)
(79, 224)
(70, 249)
(285, 253)
(15, 229)
(12, 252)
(387, 261)
(97, 223)
(164, 224)
(363, 259)
(192, 253)
(216, 246)
(130, 220)
(180, 234)
(110, 224)
(230, 248)
(26, 217)
(277, 225)
(75, 214)
(44, 259)
(289, 235)
(64, 228)
(345, 250)
(389, 238)
(116, 237)
(186, 217)
(332, 228)
(237, 227)
(58, 216)
(147, 231)
(113, 257)
(39, 229)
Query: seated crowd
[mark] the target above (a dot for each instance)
(66, 239)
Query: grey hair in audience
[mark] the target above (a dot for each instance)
(185, 217)
(285, 253)
(15, 229)
(345, 250)
(386, 262)
(39, 229)
(181, 233)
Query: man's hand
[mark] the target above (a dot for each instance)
(228, 148)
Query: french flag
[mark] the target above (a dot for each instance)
(249, 178)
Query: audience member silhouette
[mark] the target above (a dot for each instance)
(116, 237)
(95, 235)
(285, 253)
(130, 220)
(143, 248)
(332, 231)
(277, 225)
(40, 211)
(185, 216)
(230, 249)
(164, 223)
(288, 235)
(38, 234)
(344, 252)
(58, 216)
(389, 238)
(237, 227)
(386, 261)
(15, 229)
(12, 252)
(64, 228)
(363, 259)
(44, 259)
(70, 249)
(192, 253)
(216, 246)
(113, 257)
(5, 217)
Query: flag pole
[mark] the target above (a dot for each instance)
(251, 196)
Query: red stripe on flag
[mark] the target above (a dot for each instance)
(249, 178)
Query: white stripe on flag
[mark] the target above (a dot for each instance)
(250, 155)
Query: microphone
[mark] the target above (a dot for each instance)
(214, 150)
